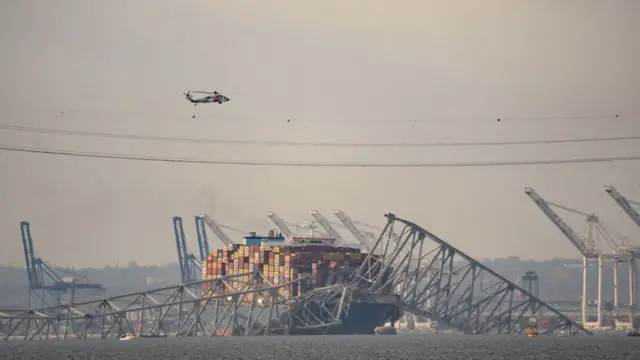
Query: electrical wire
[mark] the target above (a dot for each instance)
(313, 164)
(310, 144)
(620, 116)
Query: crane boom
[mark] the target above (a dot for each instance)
(575, 239)
(326, 226)
(280, 224)
(203, 242)
(216, 229)
(623, 203)
(348, 223)
(183, 256)
(29, 254)
(190, 265)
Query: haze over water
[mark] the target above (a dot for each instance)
(401, 347)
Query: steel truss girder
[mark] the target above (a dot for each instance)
(438, 281)
(320, 308)
(226, 306)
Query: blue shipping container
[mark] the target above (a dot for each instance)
(252, 241)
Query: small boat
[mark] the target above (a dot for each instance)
(633, 333)
(385, 330)
(125, 337)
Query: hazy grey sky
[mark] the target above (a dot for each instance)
(121, 66)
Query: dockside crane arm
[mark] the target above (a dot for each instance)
(35, 280)
(611, 235)
(326, 226)
(36, 267)
(216, 229)
(240, 231)
(596, 228)
(587, 250)
(280, 224)
(348, 223)
(54, 284)
(53, 270)
(183, 255)
(190, 265)
(203, 242)
(623, 203)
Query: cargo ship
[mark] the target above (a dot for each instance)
(323, 262)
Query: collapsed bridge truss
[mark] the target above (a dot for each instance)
(243, 304)
(427, 276)
(440, 282)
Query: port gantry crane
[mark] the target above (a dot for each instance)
(348, 223)
(588, 247)
(411, 262)
(203, 241)
(345, 221)
(326, 225)
(190, 266)
(46, 278)
(280, 224)
(284, 229)
(624, 203)
(634, 251)
(217, 229)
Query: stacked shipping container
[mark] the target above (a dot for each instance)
(281, 264)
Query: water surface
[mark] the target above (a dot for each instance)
(400, 347)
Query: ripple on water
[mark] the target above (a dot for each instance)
(401, 347)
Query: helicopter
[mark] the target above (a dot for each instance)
(212, 97)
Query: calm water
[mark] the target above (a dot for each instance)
(400, 347)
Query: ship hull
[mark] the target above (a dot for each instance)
(362, 319)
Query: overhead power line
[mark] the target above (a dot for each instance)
(310, 143)
(621, 116)
(313, 164)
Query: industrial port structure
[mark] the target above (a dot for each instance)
(48, 282)
(406, 269)
(593, 251)
(427, 276)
